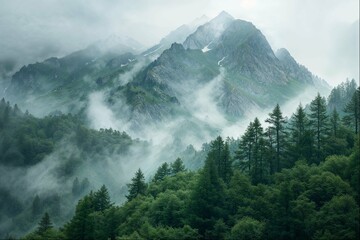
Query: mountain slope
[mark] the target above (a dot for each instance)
(64, 83)
(224, 68)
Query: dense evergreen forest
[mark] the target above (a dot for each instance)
(26, 140)
(294, 178)
(59, 143)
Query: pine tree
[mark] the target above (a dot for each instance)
(244, 153)
(271, 151)
(177, 166)
(301, 140)
(220, 154)
(207, 198)
(277, 122)
(335, 122)
(137, 186)
(226, 170)
(216, 154)
(101, 199)
(81, 225)
(163, 171)
(45, 224)
(259, 149)
(252, 152)
(319, 122)
(352, 111)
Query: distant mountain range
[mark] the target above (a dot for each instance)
(226, 61)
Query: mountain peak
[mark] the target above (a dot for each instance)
(222, 18)
(177, 47)
(224, 14)
(199, 21)
(209, 32)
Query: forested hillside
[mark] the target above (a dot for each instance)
(42, 162)
(294, 178)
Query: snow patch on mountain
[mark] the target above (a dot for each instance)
(206, 48)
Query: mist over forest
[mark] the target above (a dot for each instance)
(208, 132)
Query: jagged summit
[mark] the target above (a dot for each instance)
(209, 32)
(179, 35)
(199, 21)
(224, 15)
(233, 52)
(176, 47)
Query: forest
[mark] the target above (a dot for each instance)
(295, 178)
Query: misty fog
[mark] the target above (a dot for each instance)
(33, 31)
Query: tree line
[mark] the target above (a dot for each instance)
(296, 179)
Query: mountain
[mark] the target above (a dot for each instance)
(64, 83)
(176, 36)
(206, 34)
(181, 33)
(7, 69)
(224, 68)
(169, 100)
(239, 61)
(298, 71)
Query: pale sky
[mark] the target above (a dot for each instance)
(320, 34)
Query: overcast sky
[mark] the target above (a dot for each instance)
(320, 34)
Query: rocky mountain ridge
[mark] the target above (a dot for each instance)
(226, 61)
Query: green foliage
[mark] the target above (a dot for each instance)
(326, 185)
(300, 141)
(26, 140)
(302, 202)
(247, 228)
(250, 198)
(352, 111)
(150, 232)
(48, 234)
(177, 166)
(101, 199)
(168, 209)
(220, 155)
(341, 95)
(277, 122)
(44, 225)
(207, 199)
(163, 171)
(45, 231)
(254, 154)
(90, 214)
(338, 219)
(137, 186)
(319, 123)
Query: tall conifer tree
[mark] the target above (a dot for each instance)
(320, 124)
(277, 122)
